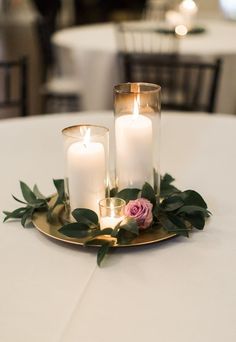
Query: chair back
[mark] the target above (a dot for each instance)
(155, 9)
(145, 37)
(13, 80)
(189, 85)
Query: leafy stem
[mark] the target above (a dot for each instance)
(34, 201)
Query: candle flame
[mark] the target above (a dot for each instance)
(136, 106)
(86, 133)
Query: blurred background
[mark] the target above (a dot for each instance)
(27, 27)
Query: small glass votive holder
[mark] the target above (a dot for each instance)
(111, 212)
(86, 151)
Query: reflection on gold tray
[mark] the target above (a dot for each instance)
(51, 229)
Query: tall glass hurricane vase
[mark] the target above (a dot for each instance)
(137, 109)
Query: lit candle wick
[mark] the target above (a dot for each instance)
(136, 106)
(86, 139)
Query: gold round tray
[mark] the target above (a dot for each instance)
(52, 230)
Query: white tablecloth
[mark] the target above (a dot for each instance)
(89, 54)
(178, 291)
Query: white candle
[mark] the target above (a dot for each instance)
(181, 30)
(133, 149)
(110, 221)
(86, 172)
(188, 9)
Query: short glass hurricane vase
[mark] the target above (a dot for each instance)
(137, 108)
(86, 153)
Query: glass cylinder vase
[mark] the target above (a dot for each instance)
(137, 109)
(86, 150)
(111, 212)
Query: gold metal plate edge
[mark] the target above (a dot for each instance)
(145, 238)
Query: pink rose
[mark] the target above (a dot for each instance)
(140, 210)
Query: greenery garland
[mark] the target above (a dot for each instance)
(177, 212)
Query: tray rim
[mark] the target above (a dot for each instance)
(40, 222)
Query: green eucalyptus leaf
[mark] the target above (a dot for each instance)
(116, 230)
(37, 193)
(87, 216)
(128, 194)
(166, 188)
(16, 214)
(172, 203)
(167, 178)
(113, 192)
(130, 225)
(148, 193)
(27, 216)
(75, 230)
(177, 221)
(16, 199)
(173, 224)
(27, 193)
(155, 211)
(102, 252)
(125, 237)
(50, 216)
(190, 209)
(128, 230)
(191, 197)
(197, 220)
(59, 185)
(165, 192)
(39, 203)
(61, 196)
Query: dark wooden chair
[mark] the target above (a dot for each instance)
(60, 93)
(13, 89)
(187, 84)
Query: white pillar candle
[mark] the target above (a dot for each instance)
(134, 164)
(86, 172)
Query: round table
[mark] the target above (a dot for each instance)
(89, 55)
(177, 291)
